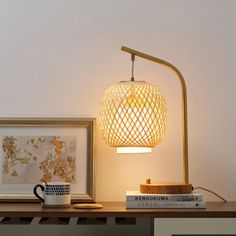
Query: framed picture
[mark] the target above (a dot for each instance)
(36, 150)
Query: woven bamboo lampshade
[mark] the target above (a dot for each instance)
(133, 114)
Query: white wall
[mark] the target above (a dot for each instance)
(57, 57)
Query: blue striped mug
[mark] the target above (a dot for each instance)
(54, 193)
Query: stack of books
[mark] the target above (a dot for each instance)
(135, 199)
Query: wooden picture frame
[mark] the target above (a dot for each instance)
(19, 167)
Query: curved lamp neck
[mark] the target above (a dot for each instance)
(184, 103)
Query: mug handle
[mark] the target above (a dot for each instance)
(35, 192)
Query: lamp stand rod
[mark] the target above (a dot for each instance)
(184, 103)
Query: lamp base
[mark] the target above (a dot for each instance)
(165, 188)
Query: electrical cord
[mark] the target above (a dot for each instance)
(132, 71)
(210, 191)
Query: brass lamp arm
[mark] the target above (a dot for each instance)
(184, 103)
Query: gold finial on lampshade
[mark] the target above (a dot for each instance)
(133, 115)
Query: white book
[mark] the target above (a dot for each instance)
(166, 204)
(136, 196)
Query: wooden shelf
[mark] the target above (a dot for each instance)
(117, 209)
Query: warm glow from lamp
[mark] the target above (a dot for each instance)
(134, 150)
(133, 116)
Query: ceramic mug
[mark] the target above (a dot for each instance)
(54, 193)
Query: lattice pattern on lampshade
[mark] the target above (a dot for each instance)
(133, 114)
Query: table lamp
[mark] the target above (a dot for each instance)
(133, 119)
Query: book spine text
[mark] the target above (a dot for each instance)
(165, 204)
